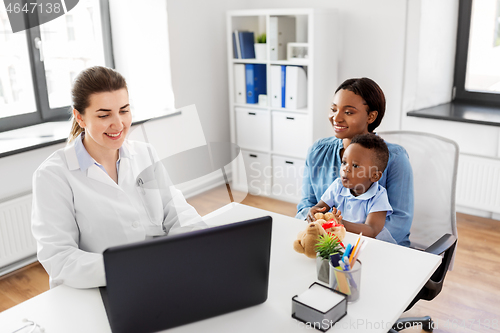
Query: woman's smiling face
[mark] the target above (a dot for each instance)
(106, 120)
(349, 116)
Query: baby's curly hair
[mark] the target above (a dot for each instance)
(377, 145)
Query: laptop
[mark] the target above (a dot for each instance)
(165, 282)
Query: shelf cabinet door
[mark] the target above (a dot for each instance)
(253, 129)
(258, 172)
(287, 178)
(290, 133)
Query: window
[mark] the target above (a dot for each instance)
(496, 40)
(70, 27)
(38, 65)
(477, 66)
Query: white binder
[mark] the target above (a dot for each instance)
(239, 84)
(276, 86)
(296, 87)
(281, 32)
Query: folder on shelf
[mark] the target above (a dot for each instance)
(296, 87)
(235, 46)
(283, 86)
(281, 32)
(246, 44)
(276, 84)
(239, 84)
(255, 82)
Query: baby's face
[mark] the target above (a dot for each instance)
(357, 169)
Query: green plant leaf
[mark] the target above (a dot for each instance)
(261, 38)
(327, 245)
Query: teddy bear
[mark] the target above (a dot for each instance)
(331, 224)
(307, 239)
(325, 217)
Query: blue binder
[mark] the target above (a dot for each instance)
(283, 86)
(246, 44)
(255, 75)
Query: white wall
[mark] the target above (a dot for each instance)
(406, 46)
(17, 170)
(373, 45)
(199, 62)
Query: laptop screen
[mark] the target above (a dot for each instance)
(171, 281)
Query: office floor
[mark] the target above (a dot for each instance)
(469, 301)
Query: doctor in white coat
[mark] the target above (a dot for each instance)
(101, 190)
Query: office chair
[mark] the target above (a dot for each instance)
(434, 162)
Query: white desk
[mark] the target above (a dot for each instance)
(392, 275)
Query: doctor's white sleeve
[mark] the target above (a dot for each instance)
(57, 235)
(178, 215)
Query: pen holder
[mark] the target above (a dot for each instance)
(347, 282)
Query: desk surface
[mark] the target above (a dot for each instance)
(391, 277)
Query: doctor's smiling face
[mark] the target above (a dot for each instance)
(106, 121)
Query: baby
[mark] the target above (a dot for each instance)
(356, 198)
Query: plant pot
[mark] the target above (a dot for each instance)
(260, 51)
(323, 269)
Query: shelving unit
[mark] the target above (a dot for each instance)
(274, 141)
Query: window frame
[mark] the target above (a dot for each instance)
(460, 94)
(43, 112)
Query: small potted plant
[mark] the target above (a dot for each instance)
(260, 47)
(326, 245)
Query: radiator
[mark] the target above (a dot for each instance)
(478, 183)
(17, 245)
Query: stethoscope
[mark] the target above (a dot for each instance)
(30, 323)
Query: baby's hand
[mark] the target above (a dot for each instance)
(337, 215)
(314, 209)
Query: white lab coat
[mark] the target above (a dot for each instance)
(76, 215)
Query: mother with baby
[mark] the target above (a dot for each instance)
(361, 180)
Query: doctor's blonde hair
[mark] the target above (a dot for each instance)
(90, 81)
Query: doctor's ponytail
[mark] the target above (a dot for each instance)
(90, 81)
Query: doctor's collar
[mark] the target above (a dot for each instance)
(86, 161)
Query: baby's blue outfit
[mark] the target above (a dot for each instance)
(323, 166)
(356, 209)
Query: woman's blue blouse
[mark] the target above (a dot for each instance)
(322, 167)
